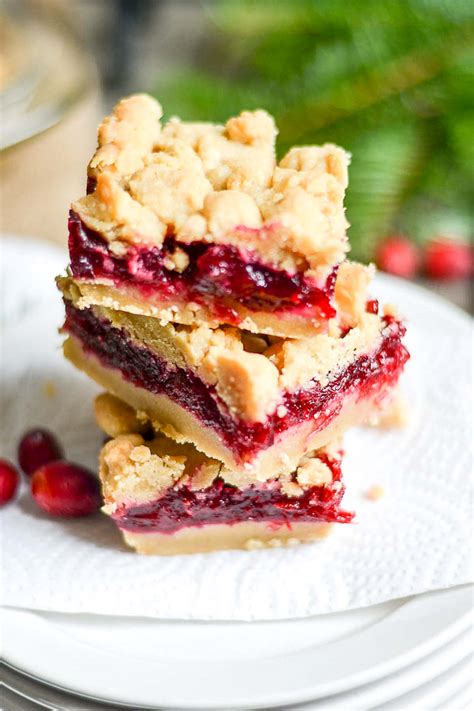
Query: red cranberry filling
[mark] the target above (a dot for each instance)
(221, 503)
(144, 368)
(372, 306)
(218, 276)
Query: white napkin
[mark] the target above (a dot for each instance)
(416, 538)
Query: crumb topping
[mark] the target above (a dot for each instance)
(133, 470)
(227, 209)
(127, 136)
(313, 472)
(129, 471)
(177, 260)
(395, 413)
(375, 493)
(321, 357)
(49, 389)
(216, 183)
(240, 389)
(113, 212)
(391, 310)
(115, 417)
(352, 282)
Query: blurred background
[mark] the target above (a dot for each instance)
(391, 81)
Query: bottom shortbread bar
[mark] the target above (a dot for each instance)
(169, 498)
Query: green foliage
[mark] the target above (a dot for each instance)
(390, 80)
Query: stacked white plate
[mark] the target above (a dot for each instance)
(413, 653)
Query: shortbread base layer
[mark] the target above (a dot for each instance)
(285, 324)
(248, 535)
(281, 458)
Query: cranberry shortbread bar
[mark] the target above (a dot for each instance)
(256, 403)
(168, 498)
(197, 223)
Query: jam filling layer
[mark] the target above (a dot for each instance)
(221, 503)
(366, 376)
(218, 276)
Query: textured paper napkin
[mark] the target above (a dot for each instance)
(416, 538)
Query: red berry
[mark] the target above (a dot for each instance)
(397, 255)
(64, 489)
(37, 447)
(448, 259)
(8, 481)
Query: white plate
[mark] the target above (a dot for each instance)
(446, 692)
(414, 682)
(233, 665)
(450, 666)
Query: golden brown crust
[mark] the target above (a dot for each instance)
(116, 418)
(190, 313)
(203, 181)
(247, 535)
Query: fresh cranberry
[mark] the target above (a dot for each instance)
(448, 259)
(8, 481)
(397, 255)
(37, 447)
(64, 489)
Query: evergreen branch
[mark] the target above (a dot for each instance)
(380, 84)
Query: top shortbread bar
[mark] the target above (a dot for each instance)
(199, 223)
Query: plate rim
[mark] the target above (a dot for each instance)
(399, 684)
(457, 602)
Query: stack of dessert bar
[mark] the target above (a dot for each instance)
(210, 295)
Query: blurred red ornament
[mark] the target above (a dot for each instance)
(447, 258)
(398, 255)
(8, 481)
